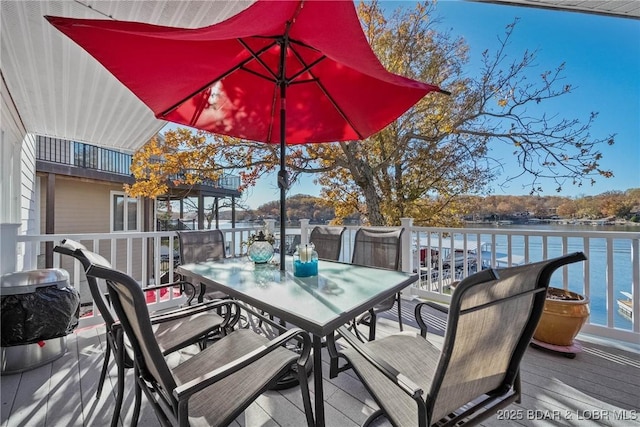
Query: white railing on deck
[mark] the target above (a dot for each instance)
(609, 254)
(142, 246)
(613, 265)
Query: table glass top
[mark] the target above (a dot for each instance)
(317, 303)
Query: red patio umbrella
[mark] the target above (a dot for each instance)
(287, 72)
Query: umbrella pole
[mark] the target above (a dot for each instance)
(283, 181)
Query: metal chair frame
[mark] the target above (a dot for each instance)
(491, 320)
(378, 248)
(115, 336)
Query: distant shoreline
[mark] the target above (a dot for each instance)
(598, 222)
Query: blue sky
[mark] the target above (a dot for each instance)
(602, 56)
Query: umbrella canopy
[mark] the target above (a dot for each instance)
(286, 72)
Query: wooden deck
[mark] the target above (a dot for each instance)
(601, 386)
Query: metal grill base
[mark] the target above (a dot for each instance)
(20, 358)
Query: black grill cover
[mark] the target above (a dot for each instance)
(48, 312)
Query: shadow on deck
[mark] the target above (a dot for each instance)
(601, 386)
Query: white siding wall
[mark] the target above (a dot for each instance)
(28, 195)
(17, 180)
(12, 135)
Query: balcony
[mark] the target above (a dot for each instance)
(86, 160)
(598, 387)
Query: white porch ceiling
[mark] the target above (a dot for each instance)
(60, 91)
(624, 8)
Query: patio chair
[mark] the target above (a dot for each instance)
(173, 330)
(492, 318)
(215, 385)
(378, 248)
(200, 246)
(293, 244)
(327, 241)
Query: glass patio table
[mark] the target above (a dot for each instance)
(318, 304)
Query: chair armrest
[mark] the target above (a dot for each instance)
(439, 307)
(418, 314)
(231, 315)
(167, 285)
(122, 355)
(189, 310)
(116, 325)
(185, 391)
(263, 318)
(181, 283)
(402, 381)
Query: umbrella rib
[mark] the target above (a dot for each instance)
(200, 108)
(302, 81)
(276, 78)
(305, 68)
(273, 112)
(257, 58)
(255, 73)
(220, 77)
(337, 107)
(326, 93)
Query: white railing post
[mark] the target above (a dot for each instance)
(8, 248)
(270, 224)
(635, 284)
(407, 258)
(304, 231)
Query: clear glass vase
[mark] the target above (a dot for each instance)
(260, 251)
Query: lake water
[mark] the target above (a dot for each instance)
(622, 268)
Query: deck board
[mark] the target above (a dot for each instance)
(599, 376)
(602, 380)
(60, 387)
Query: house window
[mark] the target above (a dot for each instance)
(125, 212)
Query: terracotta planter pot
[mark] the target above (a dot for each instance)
(564, 314)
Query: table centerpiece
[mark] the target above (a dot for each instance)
(260, 246)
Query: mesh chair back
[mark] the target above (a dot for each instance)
(293, 244)
(86, 258)
(327, 241)
(130, 305)
(490, 325)
(377, 248)
(201, 245)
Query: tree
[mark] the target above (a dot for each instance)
(504, 208)
(567, 209)
(587, 208)
(420, 165)
(209, 210)
(614, 203)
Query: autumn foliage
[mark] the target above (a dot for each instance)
(425, 163)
